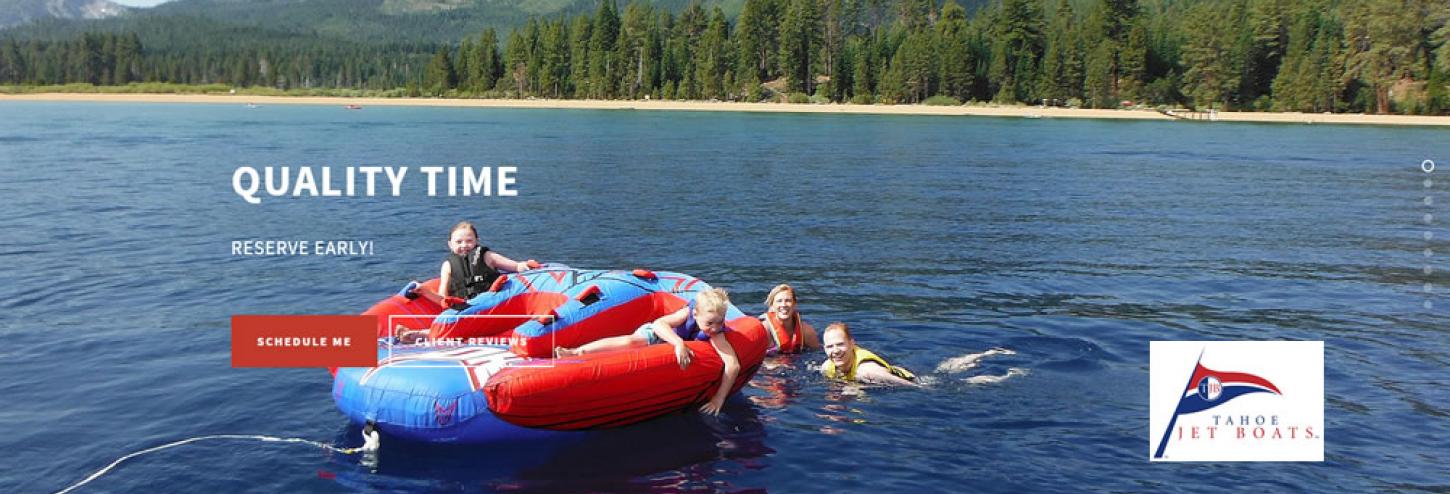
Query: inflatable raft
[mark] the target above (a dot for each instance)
(453, 389)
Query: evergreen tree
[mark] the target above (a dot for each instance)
(799, 40)
(861, 76)
(516, 63)
(1116, 19)
(1056, 79)
(11, 69)
(1328, 59)
(917, 14)
(1293, 86)
(554, 59)
(714, 57)
(489, 66)
(958, 67)
(832, 47)
(440, 77)
(467, 58)
(107, 68)
(603, 38)
(533, 56)
(841, 82)
(1211, 73)
(1110, 23)
(91, 67)
(892, 88)
(917, 65)
(757, 38)
(1265, 32)
(687, 53)
(1385, 39)
(634, 50)
(1098, 81)
(128, 58)
(580, 36)
(1134, 62)
(1016, 46)
(1441, 37)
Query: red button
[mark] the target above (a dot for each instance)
(304, 341)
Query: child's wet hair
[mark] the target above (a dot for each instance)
(713, 301)
(461, 225)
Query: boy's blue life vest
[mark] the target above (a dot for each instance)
(690, 330)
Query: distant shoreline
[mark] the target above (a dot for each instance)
(967, 110)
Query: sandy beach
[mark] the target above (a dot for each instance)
(968, 110)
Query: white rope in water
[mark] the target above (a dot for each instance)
(94, 476)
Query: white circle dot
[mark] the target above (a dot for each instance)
(1428, 269)
(1429, 252)
(1429, 200)
(1429, 183)
(1429, 218)
(1428, 287)
(1427, 165)
(1429, 305)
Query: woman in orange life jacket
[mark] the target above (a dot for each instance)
(788, 333)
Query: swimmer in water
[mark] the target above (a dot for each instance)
(788, 332)
(848, 362)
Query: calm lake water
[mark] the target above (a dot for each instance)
(1072, 242)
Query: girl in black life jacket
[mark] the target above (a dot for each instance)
(471, 268)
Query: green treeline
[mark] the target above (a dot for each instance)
(1376, 56)
(101, 59)
(198, 50)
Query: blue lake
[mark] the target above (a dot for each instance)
(1073, 242)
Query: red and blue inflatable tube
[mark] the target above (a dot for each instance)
(431, 395)
(507, 304)
(607, 303)
(445, 393)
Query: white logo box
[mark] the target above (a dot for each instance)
(1244, 419)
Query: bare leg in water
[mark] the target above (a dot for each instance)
(969, 361)
(996, 379)
(610, 343)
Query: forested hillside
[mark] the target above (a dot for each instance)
(1376, 56)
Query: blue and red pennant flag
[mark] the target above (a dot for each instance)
(1208, 388)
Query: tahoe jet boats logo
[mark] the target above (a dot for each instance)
(1276, 426)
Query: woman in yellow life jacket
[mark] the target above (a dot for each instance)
(848, 362)
(788, 333)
